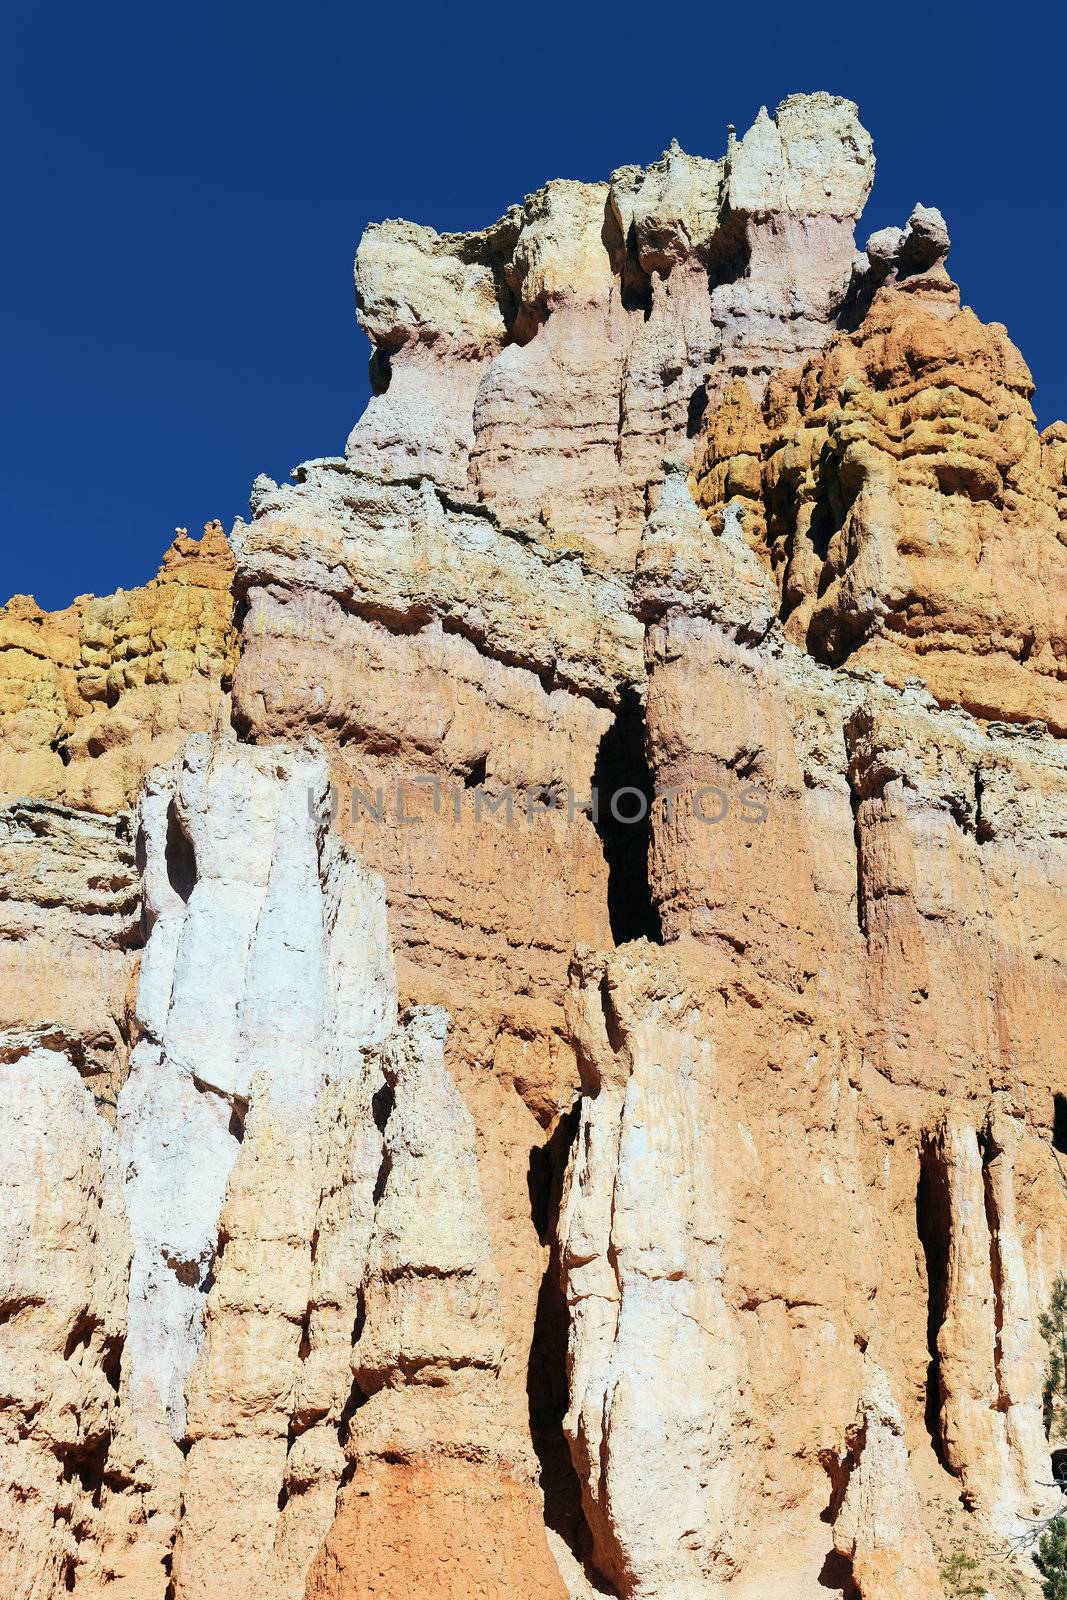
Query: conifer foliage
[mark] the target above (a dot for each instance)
(1050, 1557)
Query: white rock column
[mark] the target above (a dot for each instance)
(654, 1356)
(267, 952)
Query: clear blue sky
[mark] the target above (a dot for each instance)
(187, 185)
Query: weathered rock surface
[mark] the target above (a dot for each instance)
(550, 362)
(93, 696)
(442, 1498)
(911, 514)
(878, 1524)
(266, 954)
(69, 936)
(423, 1182)
(64, 1259)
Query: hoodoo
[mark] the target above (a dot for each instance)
(533, 979)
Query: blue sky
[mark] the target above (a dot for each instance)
(188, 185)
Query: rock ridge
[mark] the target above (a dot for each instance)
(423, 1182)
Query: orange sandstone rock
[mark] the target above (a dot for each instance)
(93, 696)
(502, 1200)
(912, 517)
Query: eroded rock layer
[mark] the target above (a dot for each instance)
(532, 995)
(93, 696)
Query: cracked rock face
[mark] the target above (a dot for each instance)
(910, 512)
(64, 1262)
(258, 925)
(93, 696)
(421, 1181)
(549, 363)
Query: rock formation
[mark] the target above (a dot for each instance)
(534, 974)
(93, 696)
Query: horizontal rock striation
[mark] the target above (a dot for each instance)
(425, 1181)
(549, 363)
(69, 937)
(93, 696)
(910, 512)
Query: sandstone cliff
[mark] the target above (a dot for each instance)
(425, 1181)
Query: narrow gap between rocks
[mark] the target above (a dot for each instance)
(696, 411)
(857, 839)
(1059, 1124)
(836, 1576)
(622, 775)
(546, 1369)
(180, 855)
(380, 370)
(932, 1225)
(382, 1102)
(996, 1271)
(836, 1573)
(635, 282)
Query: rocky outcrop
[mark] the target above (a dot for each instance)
(266, 954)
(990, 1426)
(94, 696)
(442, 1498)
(878, 1523)
(69, 937)
(645, 1291)
(465, 1190)
(900, 493)
(64, 1257)
(550, 362)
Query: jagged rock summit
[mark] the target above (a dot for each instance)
(532, 982)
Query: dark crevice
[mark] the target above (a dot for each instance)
(622, 764)
(932, 1225)
(837, 1576)
(111, 1359)
(982, 831)
(828, 513)
(207, 1282)
(728, 257)
(836, 1572)
(361, 1316)
(698, 405)
(382, 1179)
(857, 302)
(474, 777)
(1059, 1124)
(616, 1036)
(636, 284)
(80, 1335)
(356, 1399)
(990, 1152)
(86, 1465)
(546, 1369)
(857, 839)
(380, 370)
(544, 1177)
(382, 1102)
(304, 1349)
(181, 857)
